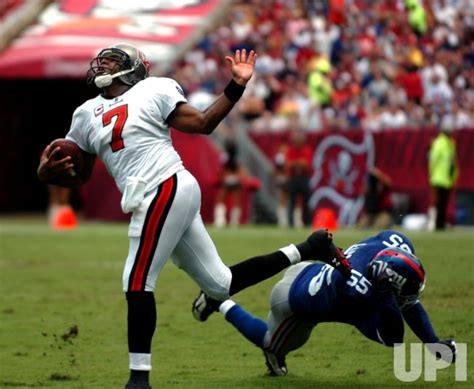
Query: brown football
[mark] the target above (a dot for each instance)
(83, 162)
(69, 148)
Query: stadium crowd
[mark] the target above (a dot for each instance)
(340, 64)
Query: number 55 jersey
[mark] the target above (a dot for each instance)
(320, 294)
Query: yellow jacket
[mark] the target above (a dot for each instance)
(443, 168)
(320, 88)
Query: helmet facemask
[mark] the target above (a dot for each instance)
(405, 301)
(131, 65)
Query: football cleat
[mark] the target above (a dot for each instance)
(323, 249)
(204, 306)
(341, 263)
(276, 365)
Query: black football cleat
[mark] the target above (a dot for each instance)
(341, 263)
(137, 385)
(276, 365)
(204, 306)
(320, 246)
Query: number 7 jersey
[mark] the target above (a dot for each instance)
(129, 133)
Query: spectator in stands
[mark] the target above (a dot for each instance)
(433, 66)
(299, 157)
(438, 94)
(409, 79)
(377, 85)
(393, 117)
(445, 12)
(373, 119)
(319, 82)
(415, 114)
(357, 38)
(458, 117)
(281, 181)
(417, 16)
(229, 188)
(443, 172)
(377, 211)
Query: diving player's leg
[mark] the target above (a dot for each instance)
(285, 332)
(319, 245)
(282, 332)
(197, 255)
(251, 327)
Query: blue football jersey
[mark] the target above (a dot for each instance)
(321, 294)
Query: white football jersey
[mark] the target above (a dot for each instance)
(129, 132)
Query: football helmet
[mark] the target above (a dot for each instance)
(132, 66)
(409, 277)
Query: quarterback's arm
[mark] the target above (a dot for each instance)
(186, 118)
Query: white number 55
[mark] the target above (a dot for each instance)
(359, 282)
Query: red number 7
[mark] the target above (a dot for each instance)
(122, 114)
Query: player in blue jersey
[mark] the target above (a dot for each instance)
(381, 294)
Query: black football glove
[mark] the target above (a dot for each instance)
(380, 274)
(447, 357)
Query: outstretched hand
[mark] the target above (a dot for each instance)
(242, 65)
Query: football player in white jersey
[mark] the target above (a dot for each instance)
(128, 127)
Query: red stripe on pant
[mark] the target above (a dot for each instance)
(153, 223)
(282, 333)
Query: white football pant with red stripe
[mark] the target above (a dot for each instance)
(168, 224)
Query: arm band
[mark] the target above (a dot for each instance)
(234, 91)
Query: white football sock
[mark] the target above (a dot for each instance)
(292, 253)
(140, 361)
(226, 306)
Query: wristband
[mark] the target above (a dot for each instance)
(234, 91)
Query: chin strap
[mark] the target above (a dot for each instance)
(105, 80)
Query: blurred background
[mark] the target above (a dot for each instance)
(334, 129)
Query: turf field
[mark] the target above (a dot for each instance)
(62, 315)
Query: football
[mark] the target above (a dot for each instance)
(83, 162)
(69, 148)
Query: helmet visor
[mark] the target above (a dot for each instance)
(113, 54)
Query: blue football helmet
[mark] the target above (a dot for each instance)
(409, 278)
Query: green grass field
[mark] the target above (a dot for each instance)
(62, 315)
